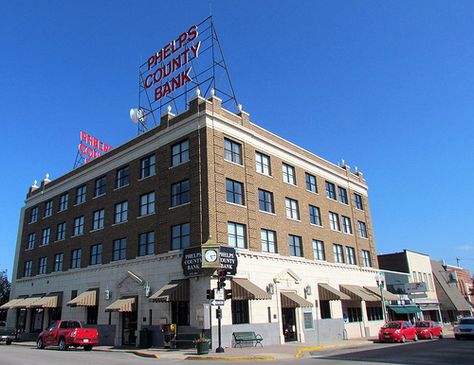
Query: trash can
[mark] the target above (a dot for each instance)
(145, 338)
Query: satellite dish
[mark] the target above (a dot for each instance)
(134, 115)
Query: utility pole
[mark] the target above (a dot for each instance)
(220, 287)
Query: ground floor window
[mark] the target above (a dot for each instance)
(21, 319)
(92, 313)
(37, 316)
(308, 318)
(325, 309)
(354, 314)
(374, 313)
(180, 313)
(240, 311)
(54, 314)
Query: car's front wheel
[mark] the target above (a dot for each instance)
(39, 344)
(431, 335)
(62, 345)
(87, 347)
(8, 341)
(404, 339)
(415, 338)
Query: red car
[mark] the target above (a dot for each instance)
(68, 333)
(428, 329)
(397, 331)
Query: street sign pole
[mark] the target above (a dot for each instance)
(219, 333)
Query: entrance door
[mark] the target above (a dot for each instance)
(129, 328)
(289, 324)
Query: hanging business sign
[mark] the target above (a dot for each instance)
(91, 147)
(193, 265)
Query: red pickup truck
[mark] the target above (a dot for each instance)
(68, 333)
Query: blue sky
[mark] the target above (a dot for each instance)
(388, 86)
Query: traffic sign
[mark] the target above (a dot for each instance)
(217, 302)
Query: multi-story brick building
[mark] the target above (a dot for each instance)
(95, 243)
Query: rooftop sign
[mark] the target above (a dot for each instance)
(91, 147)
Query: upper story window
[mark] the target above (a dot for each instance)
(119, 249)
(265, 201)
(121, 212)
(147, 203)
(146, 243)
(81, 194)
(351, 256)
(78, 228)
(343, 195)
(98, 219)
(289, 175)
(100, 186)
(292, 210)
(34, 215)
(76, 256)
(179, 153)
(27, 268)
(180, 236)
(122, 178)
(147, 166)
(61, 231)
(311, 183)
(234, 192)
(63, 202)
(366, 260)
(362, 229)
(338, 253)
(318, 250)
(262, 163)
(96, 254)
(315, 215)
(48, 208)
(358, 201)
(232, 151)
(31, 241)
(236, 235)
(268, 240)
(296, 246)
(346, 225)
(58, 262)
(180, 193)
(45, 236)
(334, 221)
(330, 190)
(43, 265)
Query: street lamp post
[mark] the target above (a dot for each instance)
(380, 283)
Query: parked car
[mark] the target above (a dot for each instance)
(68, 333)
(6, 334)
(397, 331)
(428, 329)
(464, 329)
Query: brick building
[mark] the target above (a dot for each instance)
(103, 243)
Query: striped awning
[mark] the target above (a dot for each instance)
(121, 305)
(386, 294)
(243, 289)
(46, 302)
(26, 303)
(293, 300)
(327, 292)
(85, 299)
(174, 291)
(359, 293)
(11, 303)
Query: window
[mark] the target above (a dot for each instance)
(262, 163)
(346, 225)
(354, 314)
(289, 175)
(325, 309)
(268, 240)
(147, 204)
(61, 231)
(351, 256)
(78, 226)
(330, 190)
(119, 249)
(45, 236)
(98, 219)
(240, 311)
(31, 241)
(121, 177)
(296, 248)
(146, 243)
(430, 278)
(343, 195)
(234, 191)
(311, 183)
(180, 312)
(180, 193)
(415, 278)
(58, 262)
(96, 254)
(362, 229)
(338, 253)
(180, 236)
(334, 221)
(425, 280)
(121, 212)
(48, 208)
(147, 166)
(366, 258)
(292, 211)
(63, 202)
(374, 313)
(100, 186)
(265, 201)
(179, 153)
(76, 258)
(314, 215)
(27, 270)
(81, 194)
(308, 318)
(358, 201)
(43, 264)
(92, 314)
(318, 250)
(236, 235)
(232, 151)
(34, 215)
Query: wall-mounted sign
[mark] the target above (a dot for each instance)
(91, 147)
(415, 288)
(193, 264)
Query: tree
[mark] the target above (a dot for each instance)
(4, 287)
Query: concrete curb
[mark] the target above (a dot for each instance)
(299, 354)
(143, 354)
(230, 358)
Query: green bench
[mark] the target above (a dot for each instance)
(184, 340)
(247, 337)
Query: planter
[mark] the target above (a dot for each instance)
(202, 347)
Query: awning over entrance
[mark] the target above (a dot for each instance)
(46, 302)
(11, 303)
(121, 305)
(406, 309)
(359, 293)
(26, 303)
(327, 292)
(85, 299)
(243, 289)
(386, 294)
(174, 291)
(293, 300)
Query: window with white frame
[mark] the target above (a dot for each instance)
(100, 186)
(351, 256)
(358, 201)
(289, 175)
(119, 249)
(58, 262)
(146, 243)
(147, 166)
(236, 235)
(27, 268)
(96, 254)
(122, 177)
(292, 211)
(61, 231)
(48, 208)
(180, 153)
(311, 183)
(346, 225)
(34, 215)
(78, 228)
(367, 262)
(296, 245)
(343, 195)
(362, 229)
(121, 212)
(315, 215)
(76, 256)
(318, 250)
(63, 202)
(81, 194)
(147, 204)
(232, 151)
(331, 190)
(31, 241)
(180, 193)
(98, 219)
(265, 201)
(43, 265)
(262, 163)
(234, 191)
(180, 236)
(268, 240)
(46, 233)
(334, 221)
(338, 253)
